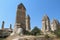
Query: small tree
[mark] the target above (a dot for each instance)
(36, 31)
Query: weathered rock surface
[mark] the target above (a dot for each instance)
(17, 37)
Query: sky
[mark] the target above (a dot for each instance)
(35, 8)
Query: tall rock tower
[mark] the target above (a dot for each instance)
(45, 24)
(11, 26)
(3, 25)
(54, 25)
(20, 19)
(28, 23)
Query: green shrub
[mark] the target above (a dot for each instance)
(36, 31)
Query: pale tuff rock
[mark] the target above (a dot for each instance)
(20, 31)
(15, 39)
(47, 27)
(28, 23)
(54, 25)
(45, 24)
(12, 34)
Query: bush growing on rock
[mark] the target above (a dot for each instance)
(36, 31)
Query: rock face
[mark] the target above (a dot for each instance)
(55, 25)
(47, 27)
(20, 19)
(20, 31)
(28, 23)
(16, 37)
(45, 24)
(22, 22)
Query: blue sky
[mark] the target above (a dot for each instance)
(35, 8)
